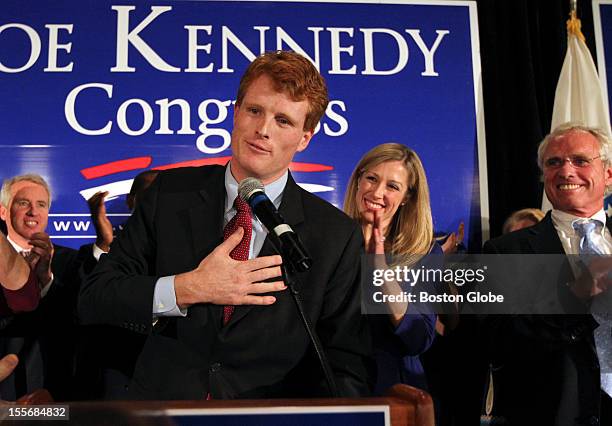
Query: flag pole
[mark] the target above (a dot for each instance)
(573, 23)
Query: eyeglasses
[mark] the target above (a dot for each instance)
(578, 161)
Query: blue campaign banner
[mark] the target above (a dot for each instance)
(95, 91)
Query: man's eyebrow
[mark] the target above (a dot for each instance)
(574, 154)
(285, 115)
(15, 199)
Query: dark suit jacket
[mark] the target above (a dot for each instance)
(50, 331)
(264, 351)
(531, 352)
(107, 354)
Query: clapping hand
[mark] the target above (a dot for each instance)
(7, 365)
(104, 228)
(40, 257)
(595, 279)
(453, 240)
(376, 243)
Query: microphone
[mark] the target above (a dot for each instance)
(251, 190)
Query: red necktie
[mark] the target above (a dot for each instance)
(241, 252)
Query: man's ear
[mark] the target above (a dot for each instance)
(608, 179)
(3, 213)
(305, 140)
(608, 176)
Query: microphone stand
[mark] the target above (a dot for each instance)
(293, 283)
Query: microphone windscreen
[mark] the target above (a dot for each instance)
(248, 186)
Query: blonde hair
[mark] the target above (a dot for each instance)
(534, 215)
(411, 229)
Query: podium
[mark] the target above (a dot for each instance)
(402, 406)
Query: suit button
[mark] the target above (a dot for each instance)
(593, 421)
(214, 367)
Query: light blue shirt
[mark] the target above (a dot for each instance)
(164, 297)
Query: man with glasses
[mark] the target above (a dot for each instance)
(546, 367)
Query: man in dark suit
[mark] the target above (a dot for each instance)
(223, 323)
(546, 368)
(109, 352)
(44, 339)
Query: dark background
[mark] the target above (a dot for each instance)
(523, 44)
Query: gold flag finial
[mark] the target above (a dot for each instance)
(573, 23)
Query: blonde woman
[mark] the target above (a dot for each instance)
(389, 196)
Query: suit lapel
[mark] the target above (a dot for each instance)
(543, 238)
(205, 227)
(292, 211)
(210, 211)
